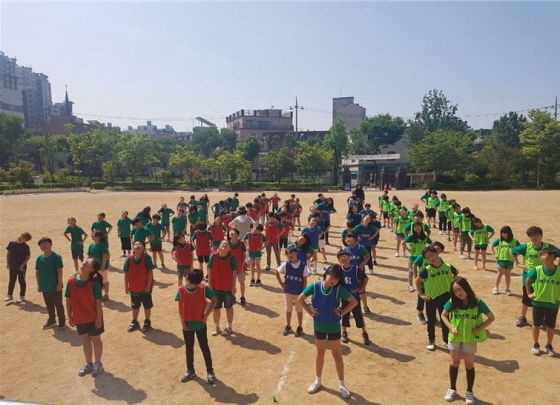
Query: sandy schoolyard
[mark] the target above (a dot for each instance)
(257, 365)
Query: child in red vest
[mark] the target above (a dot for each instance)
(195, 303)
(202, 240)
(255, 242)
(138, 282)
(239, 251)
(222, 275)
(273, 230)
(218, 232)
(84, 309)
(182, 254)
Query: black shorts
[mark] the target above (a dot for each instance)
(156, 248)
(141, 300)
(431, 212)
(166, 227)
(480, 248)
(203, 259)
(126, 243)
(544, 316)
(89, 329)
(385, 215)
(329, 336)
(525, 300)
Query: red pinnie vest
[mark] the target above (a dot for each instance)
(137, 274)
(192, 304)
(183, 255)
(222, 274)
(84, 309)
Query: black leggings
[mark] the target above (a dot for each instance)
(432, 306)
(15, 274)
(202, 337)
(443, 224)
(356, 311)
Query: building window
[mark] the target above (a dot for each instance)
(263, 125)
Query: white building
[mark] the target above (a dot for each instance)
(348, 111)
(158, 133)
(11, 97)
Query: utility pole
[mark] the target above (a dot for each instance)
(296, 107)
(556, 110)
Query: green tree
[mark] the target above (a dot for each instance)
(337, 142)
(250, 148)
(109, 170)
(313, 160)
(22, 172)
(501, 161)
(443, 152)
(185, 160)
(437, 114)
(229, 139)
(279, 163)
(11, 137)
(234, 165)
(91, 149)
(507, 128)
(135, 155)
(205, 140)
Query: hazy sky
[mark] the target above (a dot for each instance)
(127, 62)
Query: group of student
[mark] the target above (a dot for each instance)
(234, 241)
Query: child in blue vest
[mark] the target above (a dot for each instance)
(326, 313)
(295, 280)
(359, 256)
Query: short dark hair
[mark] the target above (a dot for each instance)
(534, 231)
(135, 221)
(195, 276)
(44, 239)
(156, 216)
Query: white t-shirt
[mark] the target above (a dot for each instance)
(243, 224)
(282, 268)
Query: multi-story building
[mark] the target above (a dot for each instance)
(158, 133)
(348, 111)
(11, 97)
(260, 123)
(37, 100)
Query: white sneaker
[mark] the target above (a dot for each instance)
(450, 395)
(440, 232)
(397, 254)
(371, 271)
(469, 398)
(462, 257)
(344, 393)
(495, 291)
(313, 388)
(8, 298)
(227, 332)
(508, 292)
(216, 332)
(410, 288)
(431, 346)
(20, 300)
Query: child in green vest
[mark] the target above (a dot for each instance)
(462, 314)
(479, 234)
(543, 288)
(501, 248)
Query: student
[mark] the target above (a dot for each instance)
(462, 315)
(297, 213)
(205, 201)
(145, 215)
(420, 264)
(479, 235)
(287, 228)
(449, 215)
(442, 206)
(295, 274)
(123, 231)
(76, 239)
(359, 256)
(418, 218)
(531, 259)
(255, 242)
(195, 303)
(504, 258)
(179, 223)
(99, 251)
(140, 232)
(83, 305)
(466, 225)
(356, 281)
(48, 266)
(194, 220)
(437, 278)
(239, 251)
(303, 244)
(235, 202)
(202, 240)
(314, 231)
(367, 210)
(381, 198)
(431, 204)
(415, 243)
(218, 207)
(273, 230)
(156, 244)
(202, 213)
(192, 202)
(218, 232)
(222, 277)
(139, 282)
(103, 226)
(326, 313)
(326, 208)
(543, 288)
(275, 202)
(182, 205)
(401, 222)
(354, 217)
(182, 254)
(17, 257)
(165, 213)
(456, 224)
(368, 232)
(243, 223)
(349, 229)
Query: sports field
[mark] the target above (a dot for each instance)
(257, 365)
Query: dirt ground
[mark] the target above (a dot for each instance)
(257, 365)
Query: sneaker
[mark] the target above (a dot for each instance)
(371, 271)
(469, 257)
(49, 324)
(469, 398)
(344, 337)
(375, 262)
(86, 369)
(410, 288)
(258, 283)
(252, 284)
(105, 298)
(450, 395)
(508, 292)
(287, 330)
(495, 291)
(134, 325)
(440, 232)
(123, 255)
(147, 326)
(397, 254)
(243, 301)
(431, 346)
(189, 375)
(521, 321)
(211, 378)
(20, 300)
(97, 370)
(536, 349)
(445, 346)
(344, 393)
(366, 310)
(8, 298)
(61, 326)
(462, 257)
(313, 388)
(324, 260)
(267, 268)
(216, 331)
(550, 351)
(421, 318)
(366, 338)
(227, 332)
(299, 331)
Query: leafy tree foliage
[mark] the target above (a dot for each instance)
(250, 148)
(501, 161)
(507, 128)
(11, 136)
(313, 160)
(280, 163)
(337, 142)
(375, 132)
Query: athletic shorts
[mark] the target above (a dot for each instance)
(507, 267)
(296, 215)
(385, 215)
(467, 348)
(456, 230)
(204, 259)
(256, 256)
(321, 243)
(544, 316)
(480, 247)
(126, 243)
(156, 248)
(431, 212)
(78, 253)
(291, 301)
(89, 329)
(144, 300)
(329, 336)
(400, 235)
(166, 227)
(525, 300)
(183, 270)
(225, 301)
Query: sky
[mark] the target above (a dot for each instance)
(169, 62)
